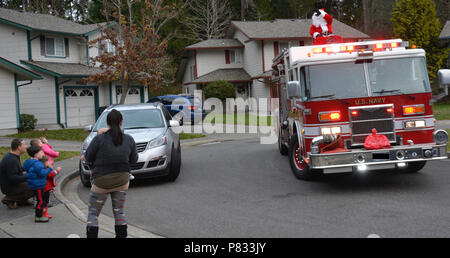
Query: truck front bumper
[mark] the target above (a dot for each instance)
(376, 159)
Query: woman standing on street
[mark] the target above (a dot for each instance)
(110, 155)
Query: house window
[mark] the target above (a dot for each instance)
(55, 47)
(86, 93)
(235, 56)
(70, 93)
(133, 91)
(110, 48)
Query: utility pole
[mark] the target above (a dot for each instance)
(242, 10)
(366, 16)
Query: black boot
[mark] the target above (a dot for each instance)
(121, 231)
(91, 232)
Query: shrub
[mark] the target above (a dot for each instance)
(221, 90)
(27, 122)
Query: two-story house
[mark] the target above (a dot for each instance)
(444, 37)
(244, 57)
(56, 51)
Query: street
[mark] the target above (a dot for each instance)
(245, 189)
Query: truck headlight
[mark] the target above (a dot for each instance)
(330, 130)
(415, 124)
(159, 141)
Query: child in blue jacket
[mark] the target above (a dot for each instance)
(37, 179)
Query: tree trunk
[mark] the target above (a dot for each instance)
(125, 87)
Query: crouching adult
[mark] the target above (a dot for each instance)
(13, 178)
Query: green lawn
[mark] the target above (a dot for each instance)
(77, 135)
(185, 136)
(62, 154)
(241, 119)
(441, 111)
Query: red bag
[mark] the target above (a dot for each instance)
(376, 141)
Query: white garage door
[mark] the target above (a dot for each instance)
(133, 97)
(80, 104)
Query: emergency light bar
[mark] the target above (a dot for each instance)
(372, 46)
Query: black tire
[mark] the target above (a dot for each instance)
(175, 165)
(302, 172)
(413, 167)
(85, 180)
(281, 147)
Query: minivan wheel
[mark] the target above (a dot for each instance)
(85, 180)
(175, 165)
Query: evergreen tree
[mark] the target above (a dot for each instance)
(416, 22)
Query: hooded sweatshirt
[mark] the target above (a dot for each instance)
(36, 173)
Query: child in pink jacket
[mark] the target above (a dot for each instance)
(48, 150)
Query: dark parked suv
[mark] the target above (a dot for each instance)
(188, 107)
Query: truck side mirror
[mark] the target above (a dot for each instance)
(88, 128)
(294, 89)
(444, 79)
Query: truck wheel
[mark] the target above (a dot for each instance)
(281, 147)
(299, 167)
(85, 180)
(413, 167)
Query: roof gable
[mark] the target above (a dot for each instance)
(445, 33)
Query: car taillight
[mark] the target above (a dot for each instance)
(191, 107)
(413, 110)
(329, 116)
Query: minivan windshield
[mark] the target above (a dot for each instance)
(135, 119)
(385, 77)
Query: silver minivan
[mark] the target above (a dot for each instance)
(157, 145)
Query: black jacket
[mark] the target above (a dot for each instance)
(107, 158)
(11, 172)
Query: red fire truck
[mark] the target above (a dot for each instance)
(333, 96)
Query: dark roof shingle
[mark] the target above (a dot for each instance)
(230, 75)
(216, 43)
(63, 69)
(290, 28)
(44, 22)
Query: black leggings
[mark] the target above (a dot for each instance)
(42, 199)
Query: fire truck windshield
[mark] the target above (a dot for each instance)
(349, 80)
(398, 76)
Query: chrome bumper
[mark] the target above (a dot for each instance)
(376, 159)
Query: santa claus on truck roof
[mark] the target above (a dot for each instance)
(322, 28)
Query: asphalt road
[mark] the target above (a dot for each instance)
(245, 189)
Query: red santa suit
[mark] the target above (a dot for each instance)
(322, 29)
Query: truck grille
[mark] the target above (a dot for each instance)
(141, 146)
(368, 117)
